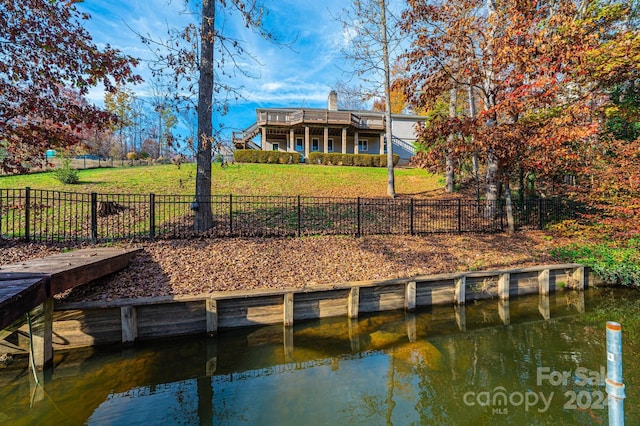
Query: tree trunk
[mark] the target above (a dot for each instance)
(507, 196)
(476, 166)
(492, 191)
(449, 175)
(203, 217)
(391, 185)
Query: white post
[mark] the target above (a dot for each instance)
(614, 385)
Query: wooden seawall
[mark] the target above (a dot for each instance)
(126, 320)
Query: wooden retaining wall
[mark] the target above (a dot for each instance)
(126, 320)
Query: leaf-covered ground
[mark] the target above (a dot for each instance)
(181, 267)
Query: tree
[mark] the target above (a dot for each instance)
(198, 78)
(370, 47)
(43, 50)
(524, 59)
(119, 103)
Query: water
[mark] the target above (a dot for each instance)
(437, 366)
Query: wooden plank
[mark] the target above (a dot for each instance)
(20, 293)
(434, 293)
(320, 304)
(383, 298)
(171, 319)
(89, 327)
(68, 270)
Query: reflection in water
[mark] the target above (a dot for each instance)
(488, 363)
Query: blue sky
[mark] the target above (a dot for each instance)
(299, 76)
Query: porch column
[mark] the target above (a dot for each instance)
(355, 143)
(381, 143)
(306, 143)
(326, 140)
(344, 140)
(292, 141)
(264, 138)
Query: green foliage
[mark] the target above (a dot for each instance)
(339, 159)
(268, 157)
(66, 174)
(614, 264)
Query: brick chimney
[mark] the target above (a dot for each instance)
(333, 101)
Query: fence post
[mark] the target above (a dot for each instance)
(27, 214)
(299, 216)
(94, 217)
(358, 210)
(152, 216)
(231, 215)
(411, 216)
(540, 213)
(459, 216)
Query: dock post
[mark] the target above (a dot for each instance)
(578, 275)
(353, 303)
(543, 282)
(288, 309)
(129, 321)
(614, 385)
(503, 286)
(41, 335)
(212, 316)
(410, 296)
(460, 290)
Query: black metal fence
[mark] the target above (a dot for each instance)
(41, 215)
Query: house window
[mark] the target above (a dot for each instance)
(330, 145)
(299, 142)
(363, 145)
(315, 144)
(275, 146)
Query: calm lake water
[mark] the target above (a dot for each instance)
(486, 363)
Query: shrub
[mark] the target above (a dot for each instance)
(66, 174)
(269, 157)
(614, 264)
(132, 156)
(363, 160)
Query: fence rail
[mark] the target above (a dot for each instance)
(55, 216)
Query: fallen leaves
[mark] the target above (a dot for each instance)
(180, 267)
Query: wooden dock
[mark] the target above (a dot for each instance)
(29, 287)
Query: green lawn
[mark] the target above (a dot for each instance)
(241, 179)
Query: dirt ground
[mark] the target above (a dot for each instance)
(179, 267)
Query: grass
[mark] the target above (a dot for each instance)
(241, 179)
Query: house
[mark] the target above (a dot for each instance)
(307, 130)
